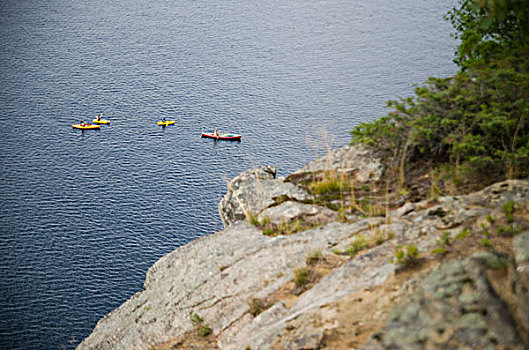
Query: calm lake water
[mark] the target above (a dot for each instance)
(84, 214)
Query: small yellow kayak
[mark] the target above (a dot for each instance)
(86, 126)
(101, 121)
(165, 123)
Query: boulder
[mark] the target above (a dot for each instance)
(361, 163)
(454, 307)
(286, 212)
(255, 190)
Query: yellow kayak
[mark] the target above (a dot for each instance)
(86, 126)
(165, 123)
(101, 121)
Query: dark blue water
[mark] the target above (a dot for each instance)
(84, 214)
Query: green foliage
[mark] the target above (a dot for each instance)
(445, 238)
(442, 244)
(301, 276)
(463, 234)
(478, 120)
(486, 242)
(287, 228)
(196, 319)
(268, 232)
(440, 250)
(265, 221)
(252, 219)
(508, 209)
(406, 256)
(487, 28)
(360, 242)
(486, 232)
(382, 236)
(490, 219)
(331, 184)
(205, 330)
(509, 230)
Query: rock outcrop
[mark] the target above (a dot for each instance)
(312, 290)
(254, 190)
(360, 163)
(456, 307)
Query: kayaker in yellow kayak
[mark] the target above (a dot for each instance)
(82, 123)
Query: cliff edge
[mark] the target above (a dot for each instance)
(298, 269)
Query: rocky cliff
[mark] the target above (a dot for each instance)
(291, 271)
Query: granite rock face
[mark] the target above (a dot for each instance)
(456, 307)
(255, 190)
(359, 162)
(290, 211)
(351, 301)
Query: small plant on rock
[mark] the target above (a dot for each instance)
(445, 238)
(252, 219)
(490, 219)
(508, 209)
(205, 330)
(463, 234)
(301, 277)
(440, 250)
(314, 257)
(256, 306)
(382, 236)
(406, 256)
(196, 319)
(360, 242)
(486, 242)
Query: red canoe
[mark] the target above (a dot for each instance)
(211, 135)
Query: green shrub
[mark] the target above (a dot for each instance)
(252, 219)
(331, 184)
(205, 330)
(382, 236)
(360, 242)
(486, 242)
(463, 234)
(508, 209)
(440, 251)
(406, 256)
(490, 219)
(509, 230)
(268, 232)
(445, 239)
(196, 319)
(475, 121)
(486, 232)
(265, 221)
(301, 276)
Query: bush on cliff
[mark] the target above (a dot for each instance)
(476, 122)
